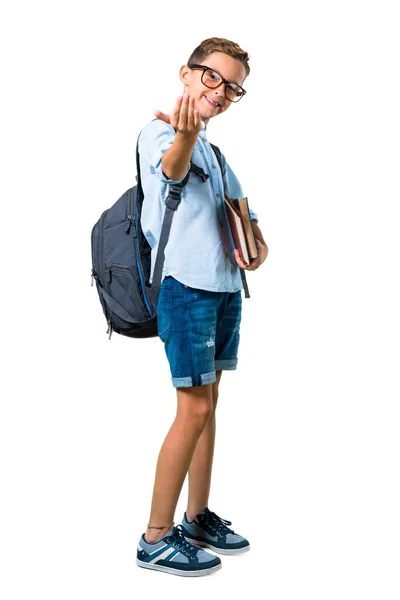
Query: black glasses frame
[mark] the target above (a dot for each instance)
(194, 66)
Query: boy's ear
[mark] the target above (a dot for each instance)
(184, 73)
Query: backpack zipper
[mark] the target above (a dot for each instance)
(92, 242)
(110, 327)
(102, 266)
(130, 209)
(101, 242)
(99, 226)
(138, 264)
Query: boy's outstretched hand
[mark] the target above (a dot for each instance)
(262, 255)
(184, 118)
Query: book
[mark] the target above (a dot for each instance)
(242, 231)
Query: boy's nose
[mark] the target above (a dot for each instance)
(218, 96)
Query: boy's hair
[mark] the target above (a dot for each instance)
(215, 44)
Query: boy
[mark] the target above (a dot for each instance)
(199, 306)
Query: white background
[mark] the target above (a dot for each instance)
(306, 463)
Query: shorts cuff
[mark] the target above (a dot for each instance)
(229, 364)
(188, 381)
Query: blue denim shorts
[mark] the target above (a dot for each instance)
(200, 330)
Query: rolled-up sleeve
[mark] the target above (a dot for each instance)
(232, 186)
(155, 139)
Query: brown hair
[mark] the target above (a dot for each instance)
(215, 44)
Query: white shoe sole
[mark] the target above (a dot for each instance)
(155, 567)
(217, 550)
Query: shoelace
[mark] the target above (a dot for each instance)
(179, 542)
(216, 523)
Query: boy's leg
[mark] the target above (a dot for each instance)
(201, 464)
(226, 349)
(195, 407)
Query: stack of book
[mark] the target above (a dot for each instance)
(242, 231)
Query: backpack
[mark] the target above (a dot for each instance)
(121, 258)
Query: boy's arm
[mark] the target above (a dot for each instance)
(176, 159)
(234, 190)
(262, 251)
(257, 233)
(185, 119)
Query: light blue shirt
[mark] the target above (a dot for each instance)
(199, 252)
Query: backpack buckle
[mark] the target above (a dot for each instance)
(199, 171)
(174, 197)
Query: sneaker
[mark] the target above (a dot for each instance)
(209, 530)
(173, 554)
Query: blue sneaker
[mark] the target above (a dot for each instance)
(208, 529)
(173, 554)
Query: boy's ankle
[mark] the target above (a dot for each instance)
(190, 516)
(152, 537)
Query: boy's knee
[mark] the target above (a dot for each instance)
(196, 404)
(202, 412)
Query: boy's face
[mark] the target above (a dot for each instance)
(229, 68)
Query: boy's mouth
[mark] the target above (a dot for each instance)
(211, 102)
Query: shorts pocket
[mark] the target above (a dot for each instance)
(164, 310)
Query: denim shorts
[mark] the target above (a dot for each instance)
(200, 331)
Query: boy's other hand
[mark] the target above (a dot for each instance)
(262, 255)
(184, 118)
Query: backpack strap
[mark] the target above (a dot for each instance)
(171, 205)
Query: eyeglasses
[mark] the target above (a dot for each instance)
(212, 79)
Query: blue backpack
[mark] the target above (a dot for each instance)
(121, 258)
